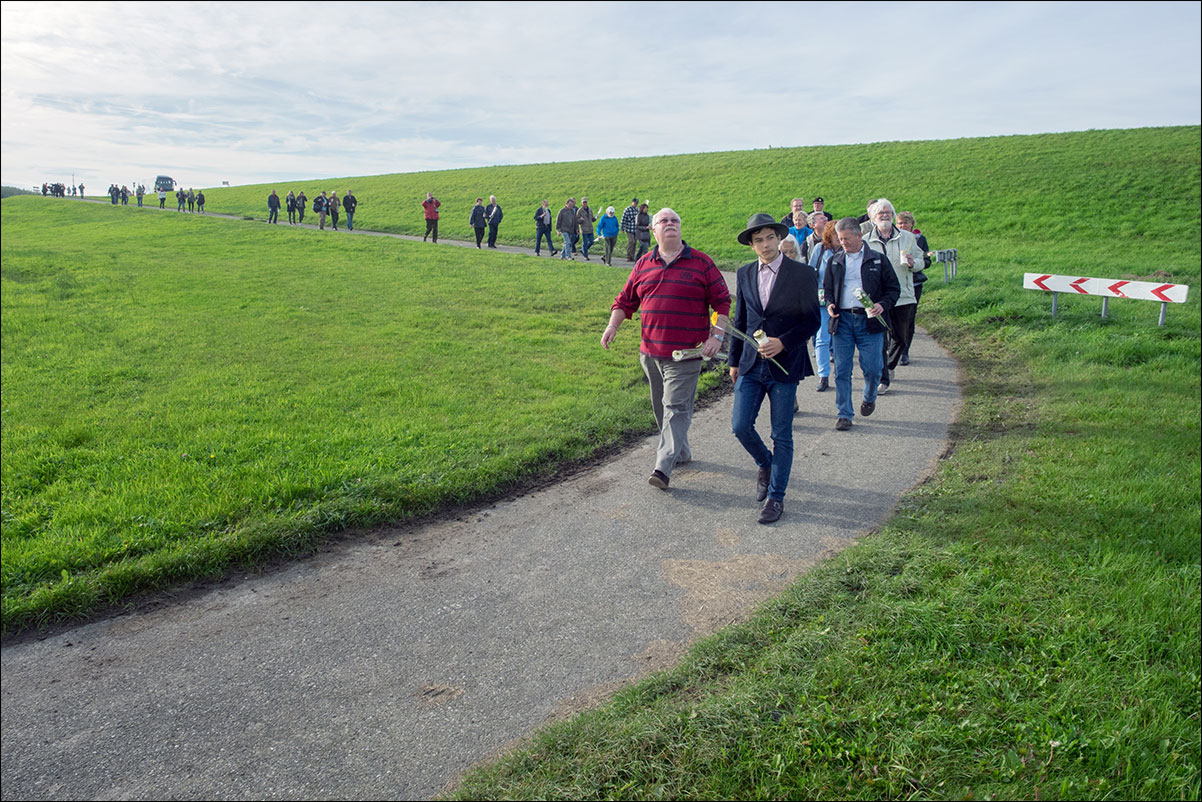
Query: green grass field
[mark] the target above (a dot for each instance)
(182, 394)
(1027, 626)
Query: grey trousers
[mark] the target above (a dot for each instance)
(673, 391)
(631, 243)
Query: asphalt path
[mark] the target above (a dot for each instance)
(385, 667)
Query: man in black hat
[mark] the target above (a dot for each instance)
(778, 301)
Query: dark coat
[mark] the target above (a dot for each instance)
(792, 317)
(477, 218)
(876, 276)
(494, 214)
(349, 202)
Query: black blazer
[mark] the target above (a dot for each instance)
(792, 316)
(876, 276)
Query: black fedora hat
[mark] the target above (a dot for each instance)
(762, 220)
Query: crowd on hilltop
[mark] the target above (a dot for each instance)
(58, 190)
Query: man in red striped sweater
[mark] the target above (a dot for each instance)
(675, 286)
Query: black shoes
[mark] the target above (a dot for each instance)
(867, 408)
(657, 479)
(842, 425)
(772, 511)
(905, 360)
(761, 483)
(824, 384)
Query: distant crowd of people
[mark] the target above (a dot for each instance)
(579, 227)
(59, 190)
(326, 207)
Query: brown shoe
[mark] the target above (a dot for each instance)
(842, 425)
(657, 479)
(772, 511)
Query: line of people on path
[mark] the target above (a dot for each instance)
(192, 200)
(60, 190)
(578, 227)
(844, 285)
(326, 207)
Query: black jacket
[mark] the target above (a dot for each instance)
(477, 220)
(791, 316)
(876, 276)
(349, 202)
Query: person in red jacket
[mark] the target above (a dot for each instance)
(430, 206)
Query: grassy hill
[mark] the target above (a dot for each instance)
(182, 394)
(998, 198)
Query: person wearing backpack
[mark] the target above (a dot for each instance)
(319, 208)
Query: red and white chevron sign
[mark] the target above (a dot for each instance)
(1107, 287)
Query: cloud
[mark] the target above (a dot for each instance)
(248, 93)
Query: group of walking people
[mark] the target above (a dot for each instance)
(844, 286)
(191, 199)
(325, 206)
(578, 227)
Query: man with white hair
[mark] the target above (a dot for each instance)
(675, 286)
(901, 248)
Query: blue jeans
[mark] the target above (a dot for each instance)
(569, 245)
(538, 240)
(589, 237)
(822, 344)
(852, 334)
(350, 221)
(750, 390)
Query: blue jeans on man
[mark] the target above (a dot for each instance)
(569, 245)
(589, 237)
(852, 333)
(350, 220)
(538, 240)
(822, 344)
(750, 389)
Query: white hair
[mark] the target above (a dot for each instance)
(655, 217)
(879, 203)
(792, 239)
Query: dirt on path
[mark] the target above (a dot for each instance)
(384, 669)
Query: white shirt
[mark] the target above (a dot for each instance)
(852, 281)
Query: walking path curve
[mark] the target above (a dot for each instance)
(383, 669)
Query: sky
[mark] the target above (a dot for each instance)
(259, 92)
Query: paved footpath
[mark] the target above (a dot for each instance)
(384, 668)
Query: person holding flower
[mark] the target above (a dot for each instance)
(778, 300)
(675, 286)
(859, 288)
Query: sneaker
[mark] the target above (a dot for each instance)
(867, 408)
(843, 424)
(772, 511)
(824, 384)
(657, 479)
(882, 388)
